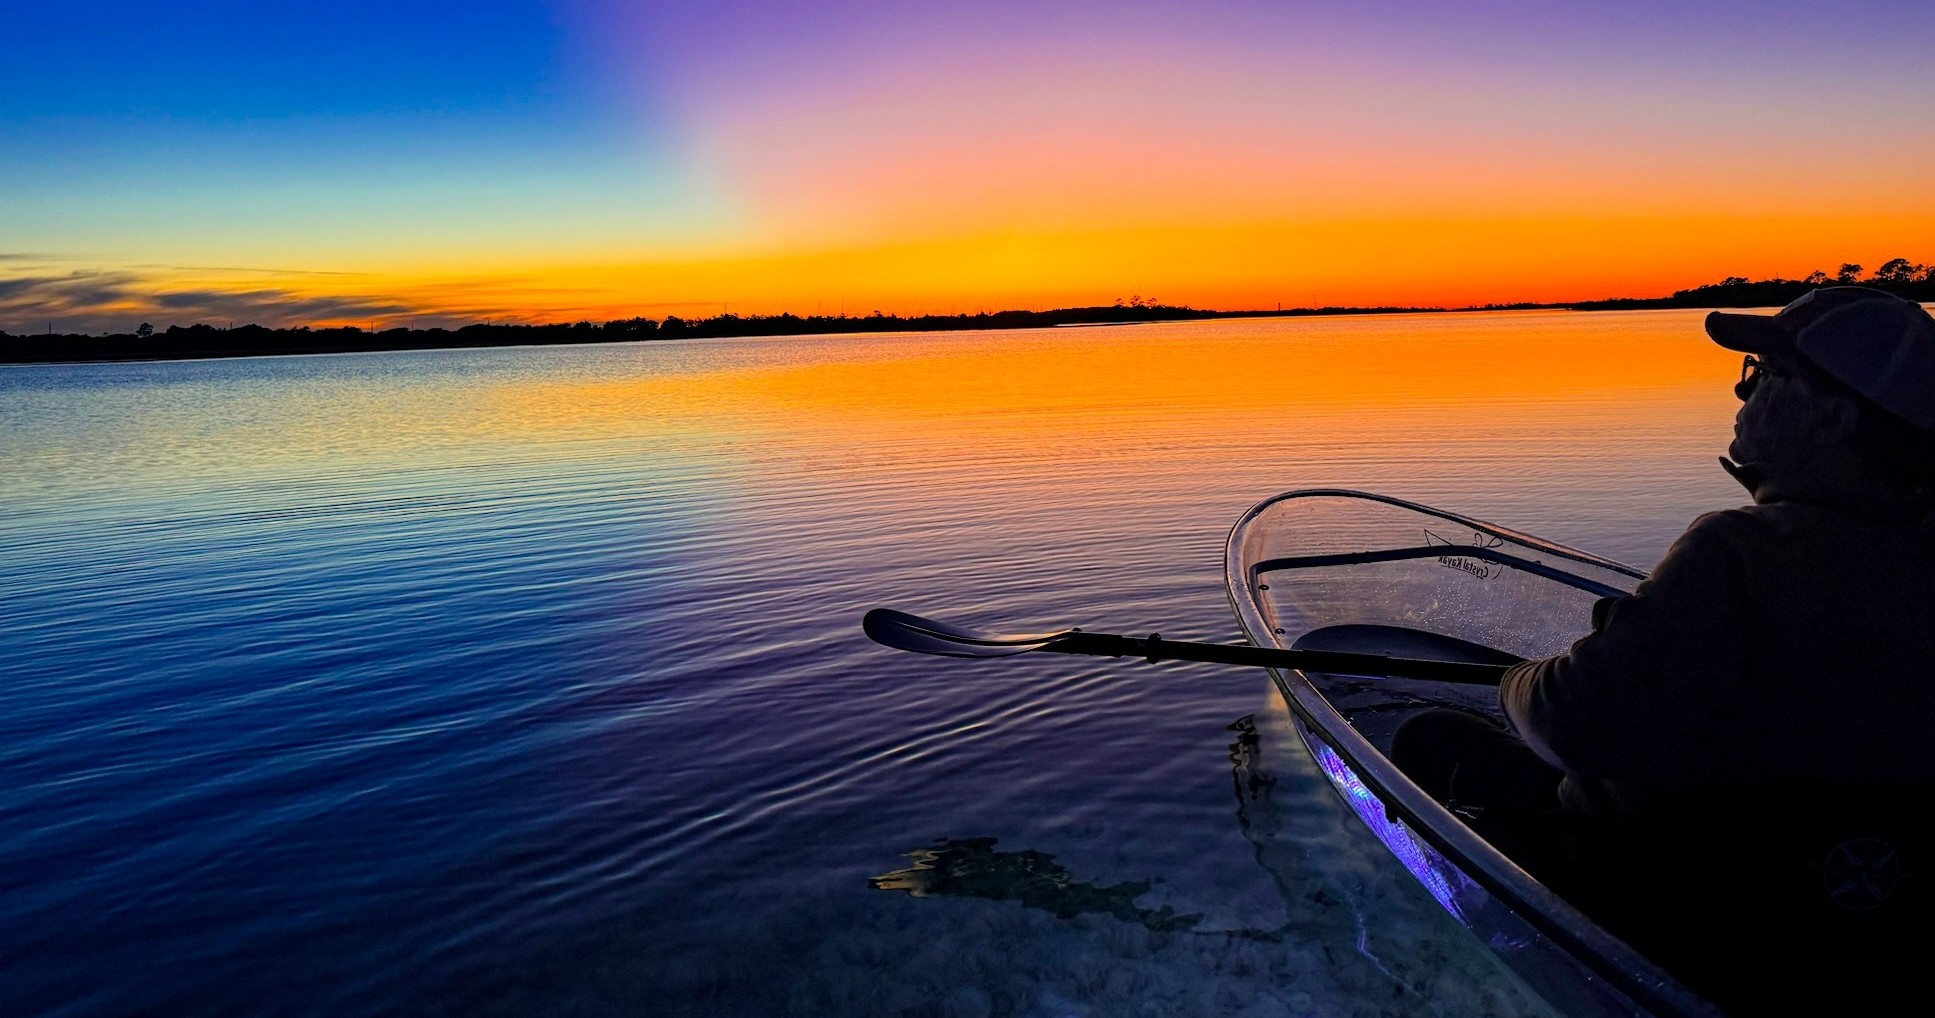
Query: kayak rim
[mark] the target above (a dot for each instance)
(1601, 953)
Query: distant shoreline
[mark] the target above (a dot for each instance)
(198, 342)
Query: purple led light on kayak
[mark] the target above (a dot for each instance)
(1423, 862)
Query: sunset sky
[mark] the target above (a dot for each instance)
(443, 162)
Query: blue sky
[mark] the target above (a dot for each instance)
(761, 152)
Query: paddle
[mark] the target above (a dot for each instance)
(902, 631)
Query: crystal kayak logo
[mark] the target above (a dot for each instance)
(1468, 565)
(1861, 874)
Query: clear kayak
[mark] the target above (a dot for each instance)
(1348, 571)
(1367, 610)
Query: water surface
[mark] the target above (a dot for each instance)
(530, 680)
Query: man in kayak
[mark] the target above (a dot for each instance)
(1791, 640)
(1786, 645)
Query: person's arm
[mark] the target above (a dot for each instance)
(1630, 698)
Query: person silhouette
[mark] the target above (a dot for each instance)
(1821, 587)
(1781, 653)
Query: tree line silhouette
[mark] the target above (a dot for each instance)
(147, 343)
(1898, 275)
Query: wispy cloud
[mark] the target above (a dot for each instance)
(99, 301)
(250, 270)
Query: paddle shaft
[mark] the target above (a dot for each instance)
(1153, 648)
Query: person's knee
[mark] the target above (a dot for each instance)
(1475, 760)
(1428, 746)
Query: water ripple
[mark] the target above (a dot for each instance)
(514, 681)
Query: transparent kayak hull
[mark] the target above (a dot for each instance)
(1347, 570)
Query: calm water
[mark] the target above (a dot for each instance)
(526, 681)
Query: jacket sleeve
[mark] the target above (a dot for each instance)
(1630, 698)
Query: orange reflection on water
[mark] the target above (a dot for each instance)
(1105, 439)
(1003, 380)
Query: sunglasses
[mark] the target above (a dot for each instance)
(1752, 370)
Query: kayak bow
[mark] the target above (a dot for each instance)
(1344, 569)
(1332, 586)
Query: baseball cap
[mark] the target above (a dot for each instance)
(1878, 344)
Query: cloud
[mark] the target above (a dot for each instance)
(117, 301)
(248, 270)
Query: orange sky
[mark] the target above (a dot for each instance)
(756, 158)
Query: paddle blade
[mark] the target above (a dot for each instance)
(902, 631)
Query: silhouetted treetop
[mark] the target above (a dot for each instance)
(1898, 275)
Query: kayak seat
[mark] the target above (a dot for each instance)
(1377, 707)
(1401, 641)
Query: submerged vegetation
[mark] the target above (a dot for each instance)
(973, 868)
(1899, 275)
